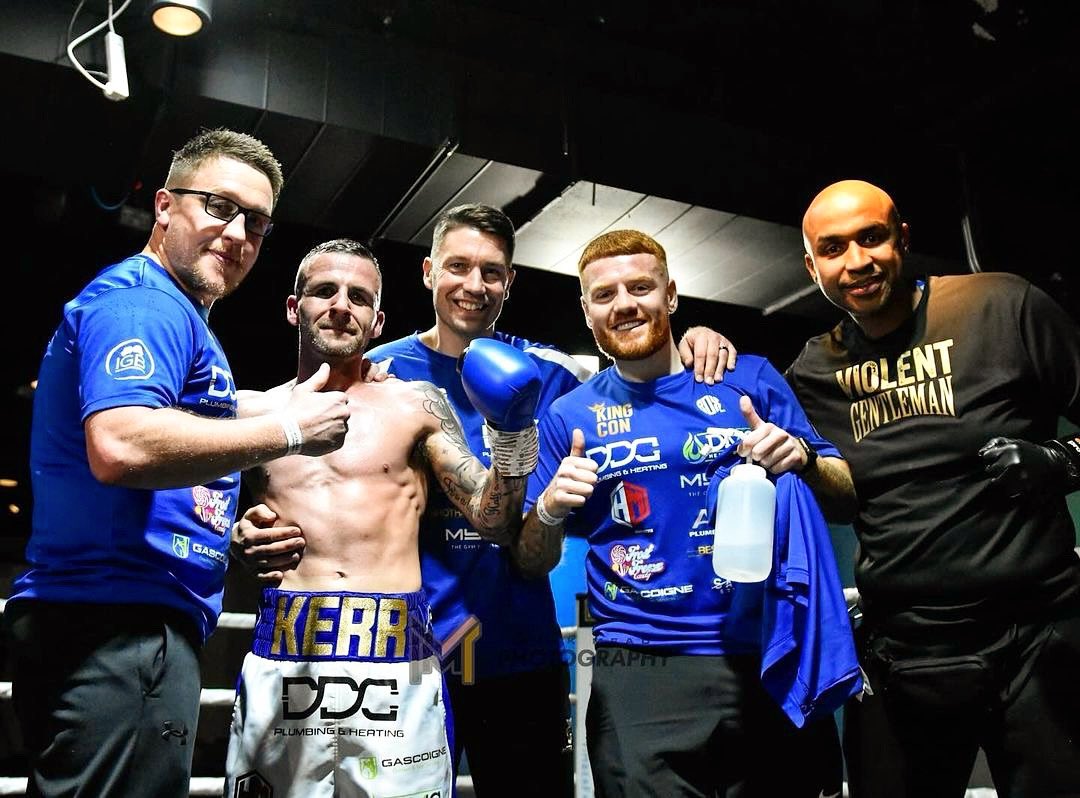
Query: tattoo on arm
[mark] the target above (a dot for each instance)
(538, 548)
(490, 501)
(435, 403)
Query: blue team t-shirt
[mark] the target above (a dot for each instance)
(130, 338)
(463, 575)
(649, 565)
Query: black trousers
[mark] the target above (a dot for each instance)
(515, 731)
(919, 735)
(700, 726)
(107, 698)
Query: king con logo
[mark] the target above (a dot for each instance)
(613, 420)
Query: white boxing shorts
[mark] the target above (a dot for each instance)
(341, 697)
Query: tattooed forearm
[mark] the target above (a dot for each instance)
(495, 509)
(490, 501)
(435, 403)
(538, 548)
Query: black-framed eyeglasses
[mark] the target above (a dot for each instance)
(225, 209)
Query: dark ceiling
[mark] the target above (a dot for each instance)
(382, 111)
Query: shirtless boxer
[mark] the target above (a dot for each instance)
(342, 693)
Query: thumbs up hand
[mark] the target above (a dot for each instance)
(773, 448)
(322, 417)
(572, 484)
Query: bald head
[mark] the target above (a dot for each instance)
(855, 248)
(847, 199)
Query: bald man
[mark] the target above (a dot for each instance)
(936, 391)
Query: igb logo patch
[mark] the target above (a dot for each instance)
(130, 360)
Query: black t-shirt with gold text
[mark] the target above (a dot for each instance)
(983, 355)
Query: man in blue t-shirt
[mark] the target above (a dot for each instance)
(492, 606)
(677, 704)
(135, 456)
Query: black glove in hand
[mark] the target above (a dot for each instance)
(1022, 468)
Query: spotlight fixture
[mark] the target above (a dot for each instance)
(180, 17)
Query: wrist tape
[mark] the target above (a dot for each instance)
(293, 436)
(514, 454)
(546, 518)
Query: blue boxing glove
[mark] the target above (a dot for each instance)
(504, 384)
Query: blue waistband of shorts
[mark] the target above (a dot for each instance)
(360, 627)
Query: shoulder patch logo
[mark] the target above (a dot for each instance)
(130, 360)
(709, 405)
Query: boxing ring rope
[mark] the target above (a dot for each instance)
(212, 697)
(216, 697)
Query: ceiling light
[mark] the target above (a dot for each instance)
(180, 17)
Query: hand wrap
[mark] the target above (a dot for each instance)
(514, 454)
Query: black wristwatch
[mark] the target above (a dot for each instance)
(811, 454)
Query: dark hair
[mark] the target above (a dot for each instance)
(484, 218)
(346, 246)
(224, 143)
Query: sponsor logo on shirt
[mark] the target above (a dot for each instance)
(701, 447)
(221, 392)
(212, 508)
(614, 420)
(633, 561)
(130, 360)
(629, 504)
(613, 591)
(709, 405)
(183, 547)
(638, 455)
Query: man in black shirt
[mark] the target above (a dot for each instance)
(936, 392)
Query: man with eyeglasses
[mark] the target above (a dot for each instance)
(135, 454)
